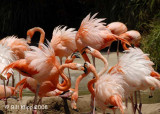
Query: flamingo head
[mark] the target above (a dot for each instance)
(71, 58)
(89, 67)
(30, 34)
(76, 66)
(74, 101)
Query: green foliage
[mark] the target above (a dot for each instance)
(151, 43)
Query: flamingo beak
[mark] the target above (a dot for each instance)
(77, 56)
(28, 39)
(83, 50)
(85, 68)
(73, 105)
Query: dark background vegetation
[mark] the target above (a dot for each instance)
(17, 16)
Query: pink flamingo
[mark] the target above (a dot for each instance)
(116, 28)
(133, 37)
(63, 41)
(18, 46)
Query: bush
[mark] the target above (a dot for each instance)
(150, 44)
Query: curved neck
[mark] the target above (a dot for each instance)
(91, 82)
(78, 81)
(100, 73)
(42, 36)
(124, 46)
(98, 55)
(68, 83)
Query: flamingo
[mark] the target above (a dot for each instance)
(63, 41)
(133, 37)
(31, 32)
(18, 46)
(122, 80)
(116, 28)
(6, 57)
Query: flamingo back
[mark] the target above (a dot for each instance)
(92, 31)
(117, 28)
(63, 41)
(136, 69)
(107, 86)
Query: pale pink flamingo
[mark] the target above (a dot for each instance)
(18, 46)
(132, 73)
(133, 37)
(6, 57)
(116, 28)
(63, 42)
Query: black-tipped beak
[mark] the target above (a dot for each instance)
(77, 56)
(85, 69)
(83, 50)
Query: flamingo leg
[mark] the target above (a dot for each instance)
(135, 96)
(93, 100)
(151, 95)
(13, 80)
(40, 103)
(108, 52)
(132, 103)
(5, 95)
(118, 50)
(140, 102)
(126, 102)
(35, 99)
(7, 82)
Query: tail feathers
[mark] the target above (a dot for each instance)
(153, 82)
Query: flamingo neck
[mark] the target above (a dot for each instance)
(124, 46)
(42, 36)
(105, 66)
(91, 82)
(66, 79)
(64, 87)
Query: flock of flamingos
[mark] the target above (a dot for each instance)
(109, 89)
